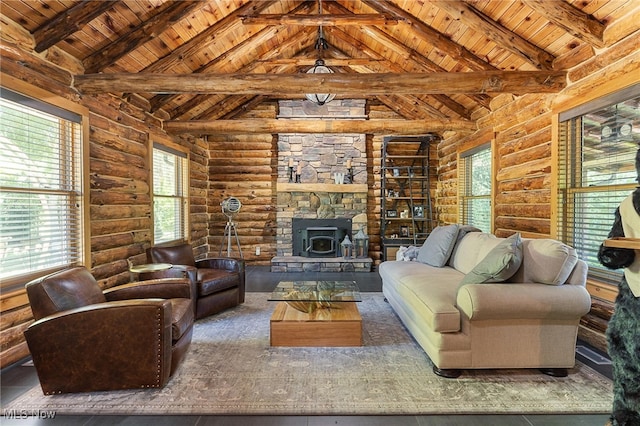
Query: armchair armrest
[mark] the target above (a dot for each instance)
(176, 271)
(226, 263)
(523, 301)
(162, 288)
(106, 346)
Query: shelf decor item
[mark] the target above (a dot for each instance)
(404, 231)
(392, 213)
(418, 212)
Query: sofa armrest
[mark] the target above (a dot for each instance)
(523, 301)
(162, 288)
(106, 346)
(226, 263)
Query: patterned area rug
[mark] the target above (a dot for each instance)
(231, 369)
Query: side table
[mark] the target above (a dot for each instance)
(147, 267)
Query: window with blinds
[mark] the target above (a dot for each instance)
(597, 148)
(474, 177)
(170, 194)
(41, 198)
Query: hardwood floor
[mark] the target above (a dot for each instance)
(18, 379)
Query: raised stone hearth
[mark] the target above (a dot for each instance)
(320, 264)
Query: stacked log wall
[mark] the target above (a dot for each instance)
(245, 167)
(119, 188)
(523, 133)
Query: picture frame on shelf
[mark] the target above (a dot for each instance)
(404, 231)
(418, 212)
(392, 213)
(396, 171)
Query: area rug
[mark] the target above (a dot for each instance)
(231, 369)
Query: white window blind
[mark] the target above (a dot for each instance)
(40, 188)
(596, 172)
(170, 194)
(474, 178)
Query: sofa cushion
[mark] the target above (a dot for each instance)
(438, 246)
(471, 249)
(429, 292)
(499, 264)
(545, 261)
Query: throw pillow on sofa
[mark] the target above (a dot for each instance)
(548, 261)
(500, 264)
(438, 246)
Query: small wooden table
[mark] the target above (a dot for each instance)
(332, 317)
(147, 267)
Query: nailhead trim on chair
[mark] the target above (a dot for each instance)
(159, 350)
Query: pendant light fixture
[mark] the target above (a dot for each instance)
(320, 67)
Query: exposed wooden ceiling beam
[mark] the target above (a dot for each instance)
(410, 107)
(500, 35)
(242, 48)
(410, 56)
(414, 101)
(407, 106)
(68, 22)
(573, 20)
(345, 84)
(218, 110)
(139, 35)
(438, 40)
(388, 127)
(244, 107)
(245, 48)
(316, 20)
(295, 40)
(203, 39)
(330, 62)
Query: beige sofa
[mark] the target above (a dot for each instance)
(528, 319)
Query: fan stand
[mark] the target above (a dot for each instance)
(229, 229)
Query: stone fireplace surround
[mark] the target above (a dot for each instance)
(317, 196)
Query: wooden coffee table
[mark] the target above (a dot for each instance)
(316, 313)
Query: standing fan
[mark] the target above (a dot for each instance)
(230, 207)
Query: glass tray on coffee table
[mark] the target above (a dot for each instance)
(316, 313)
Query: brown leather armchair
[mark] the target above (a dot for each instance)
(219, 282)
(127, 337)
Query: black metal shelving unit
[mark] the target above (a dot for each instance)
(406, 206)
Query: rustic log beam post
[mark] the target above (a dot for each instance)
(316, 20)
(68, 22)
(496, 32)
(382, 126)
(573, 20)
(344, 84)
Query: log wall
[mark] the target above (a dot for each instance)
(121, 130)
(522, 129)
(246, 167)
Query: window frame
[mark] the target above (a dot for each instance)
(603, 281)
(44, 97)
(465, 152)
(183, 153)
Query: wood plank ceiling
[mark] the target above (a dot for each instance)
(405, 54)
